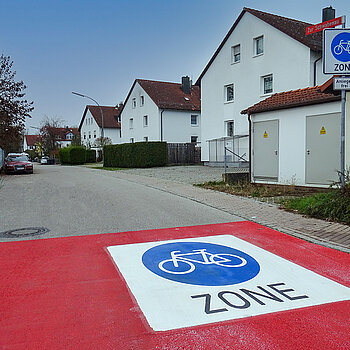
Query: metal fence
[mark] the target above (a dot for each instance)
(230, 151)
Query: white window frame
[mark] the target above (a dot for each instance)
(133, 102)
(196, 119)
(229, 126)
(132, 140)
(226, 87)
(131, 123)
(236, 54)
(256, 46)
(142, 101)
(263, 82)
(145, 139)
(145, 121)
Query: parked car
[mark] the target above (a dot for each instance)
(18, 164)
(44, 160)
(47, 160)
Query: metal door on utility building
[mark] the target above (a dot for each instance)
(265, 150)
(322, 148)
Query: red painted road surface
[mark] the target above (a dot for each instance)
(66, 293)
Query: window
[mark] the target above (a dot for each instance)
(259, 45)
(236, 53)
(142, 101)
(194, 139)
(194, 120)
(94, 134)
(145, 139)
(229, 93)
(89, 134)
(132, 140)
(145, 120)
(267, 87)
(131, 123)
(84, 135)
(229, 128)
(134, 103)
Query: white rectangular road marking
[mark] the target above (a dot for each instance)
(280, 285)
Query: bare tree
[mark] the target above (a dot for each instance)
(48, 132)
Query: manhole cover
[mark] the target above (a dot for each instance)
(27, 231)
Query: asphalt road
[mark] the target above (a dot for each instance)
(79, 201)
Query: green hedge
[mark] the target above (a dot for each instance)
(76, 155)
(90, 156)
(135, 155)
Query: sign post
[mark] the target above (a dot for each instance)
(336, 60)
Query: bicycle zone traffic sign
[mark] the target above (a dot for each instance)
(336, 51)
(195, 281)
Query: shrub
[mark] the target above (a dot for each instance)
(72, 155)
(136, 155)
(90, 156)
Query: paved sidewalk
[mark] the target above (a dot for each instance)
(178, 180)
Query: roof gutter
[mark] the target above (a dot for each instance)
(161, 125)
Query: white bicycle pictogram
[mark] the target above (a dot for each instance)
(180, 264)
(344, 45)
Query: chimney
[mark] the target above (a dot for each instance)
(328, 13)
(186, 85)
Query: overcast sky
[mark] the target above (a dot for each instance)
(99, 47)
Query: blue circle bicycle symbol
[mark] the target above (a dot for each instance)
(340, 47)
(198, 263)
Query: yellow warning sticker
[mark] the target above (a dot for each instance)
(265, 135)
(323, 131)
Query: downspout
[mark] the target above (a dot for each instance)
(315, 69)
(250, 148)
(161, 125)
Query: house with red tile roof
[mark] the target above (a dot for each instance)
(31, 141)
(162, 111)
(261, 54)
(96, 118)
(295, 137)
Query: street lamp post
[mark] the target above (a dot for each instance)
(102, 119)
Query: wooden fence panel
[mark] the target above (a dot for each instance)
(182, 153)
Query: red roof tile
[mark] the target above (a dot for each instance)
(61, 133)
(32, 139)
(110, 115)
(170, 95)
(291, 27)
(294, 98)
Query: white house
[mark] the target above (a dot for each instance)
(63, 138)
(30, 142)
(162, 111)
(90, 127)
(295, 137)
(261, 54)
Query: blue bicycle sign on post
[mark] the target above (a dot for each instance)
(200, 263)
(336, 51)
